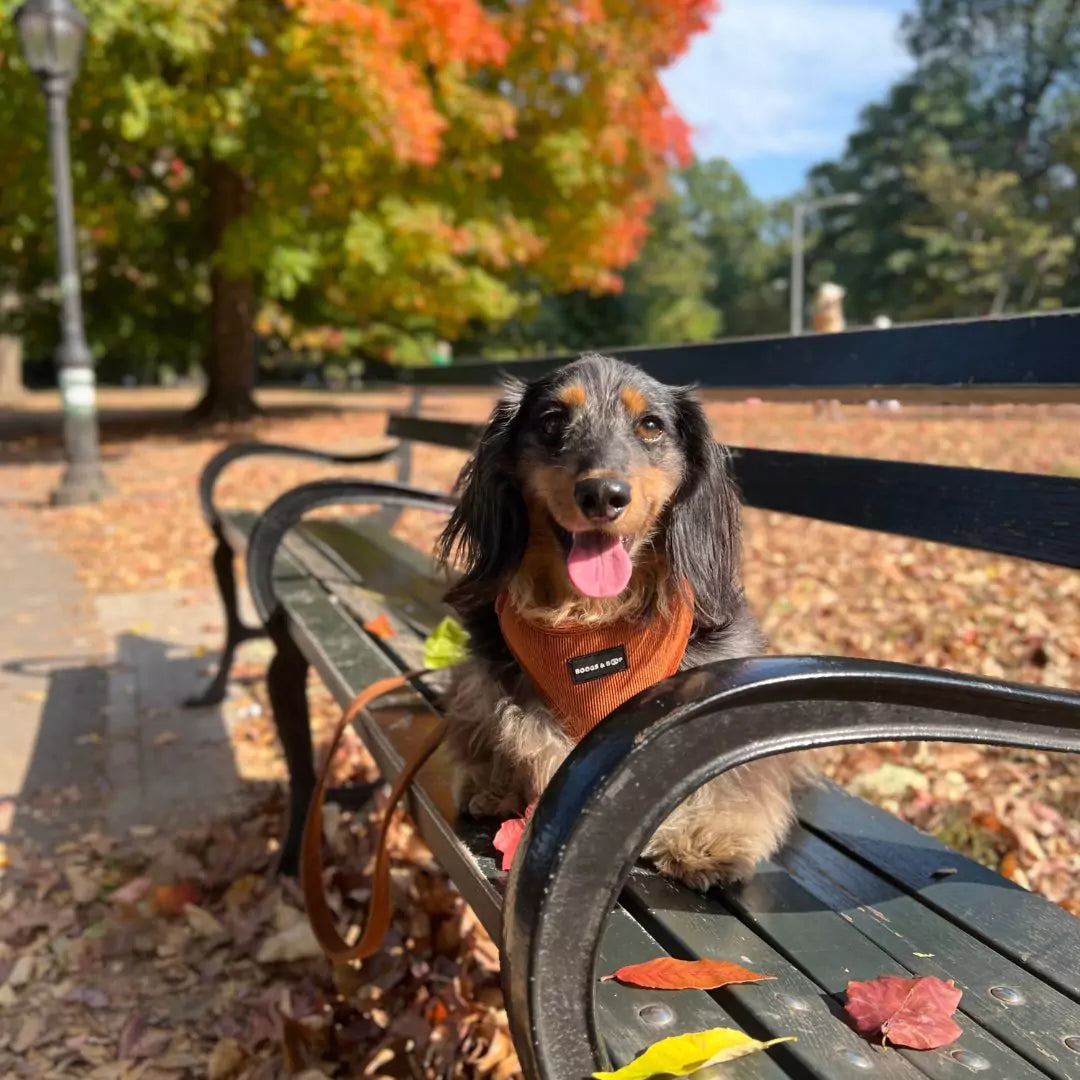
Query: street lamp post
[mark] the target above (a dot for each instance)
(52, 33)
(801, 209)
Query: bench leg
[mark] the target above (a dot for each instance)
(286, 682)
(236, 631)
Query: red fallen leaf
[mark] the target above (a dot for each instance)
(509, 836)
(380, 627)
(667, 973)
(172, 899)
(916, 1013)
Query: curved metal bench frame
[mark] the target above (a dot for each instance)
(625, 777)
(224, 557)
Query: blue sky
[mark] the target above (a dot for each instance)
(777, 85)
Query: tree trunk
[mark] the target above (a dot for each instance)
(230, 360)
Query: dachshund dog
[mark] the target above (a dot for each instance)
(598, 494)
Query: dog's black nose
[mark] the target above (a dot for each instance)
(602, 497)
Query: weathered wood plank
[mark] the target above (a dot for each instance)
(691, 925)
(1035, 1023)
(828, 944)
(632, 1019)
(1028, 929)
(1024, 515)
(1026, 356)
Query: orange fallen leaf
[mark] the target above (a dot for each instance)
(667, 973)
(172, 899)
(380, 627)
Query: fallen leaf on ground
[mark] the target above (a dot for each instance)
(296, 942)
(131, 892)
(165, 738)
(28, 1034)
(22, 971)
(226, 1060)
(916, 1013)
(202, 922)
(173, 899)
(83, 887)
(667, 973)
(380, 627)
(681, 1055)
(90, 996)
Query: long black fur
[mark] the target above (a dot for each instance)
(702, 535)
(488, 531)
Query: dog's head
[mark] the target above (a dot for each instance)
(596, 491)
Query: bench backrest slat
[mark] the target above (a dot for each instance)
(1020, 514)
(1024, 358)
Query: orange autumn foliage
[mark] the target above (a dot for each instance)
(570, 89)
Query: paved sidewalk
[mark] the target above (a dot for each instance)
(52, 678)
(94, 733)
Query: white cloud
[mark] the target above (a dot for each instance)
(786, 77)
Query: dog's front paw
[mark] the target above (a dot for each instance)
(494, 804)
(700, 870)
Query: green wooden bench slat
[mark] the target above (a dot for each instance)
(619, 1008)
(693, 925)
(826, 941)
(925, 943)
(1035, 933)
(405, 575)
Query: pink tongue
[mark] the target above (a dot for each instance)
(598, 564)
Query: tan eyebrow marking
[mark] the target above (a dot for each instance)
(573, 396)
(634, 401)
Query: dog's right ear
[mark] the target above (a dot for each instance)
(489, 528)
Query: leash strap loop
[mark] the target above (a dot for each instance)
(319, 914)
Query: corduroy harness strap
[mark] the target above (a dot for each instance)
(582, 672)
(586, 672)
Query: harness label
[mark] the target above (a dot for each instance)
(596, 665)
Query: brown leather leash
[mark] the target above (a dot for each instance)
(318, 909)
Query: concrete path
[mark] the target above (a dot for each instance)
(53, 679)
(93, 732)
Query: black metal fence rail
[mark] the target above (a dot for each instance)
(1022, 359)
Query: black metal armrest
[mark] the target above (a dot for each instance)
(632, 770)
(289, 509)
(220, 461)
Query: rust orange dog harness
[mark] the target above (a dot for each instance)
(585, 672)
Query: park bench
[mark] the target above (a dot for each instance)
(856, 893)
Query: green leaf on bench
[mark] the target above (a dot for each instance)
(682, 1055)
(446, 645)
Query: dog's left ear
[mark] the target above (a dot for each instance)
(703, 530)
(489, 528)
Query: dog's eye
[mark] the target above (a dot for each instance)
(551, 425)
(650, 428)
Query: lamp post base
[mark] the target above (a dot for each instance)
(81, 483)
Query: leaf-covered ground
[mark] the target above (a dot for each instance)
(106, 972)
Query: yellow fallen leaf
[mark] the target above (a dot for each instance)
(681, 1055)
